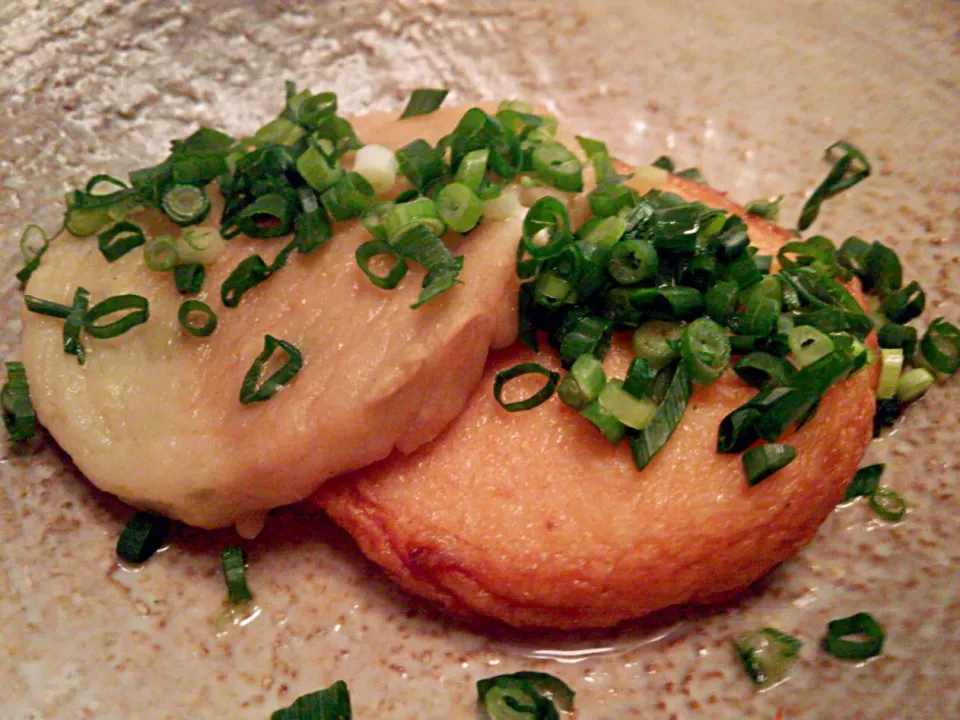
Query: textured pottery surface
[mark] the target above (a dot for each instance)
(750, 91)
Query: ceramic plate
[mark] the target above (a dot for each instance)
(750, 91)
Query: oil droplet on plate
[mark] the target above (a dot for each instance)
(236, 616)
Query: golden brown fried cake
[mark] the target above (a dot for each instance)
(535, 519)
(154, 415)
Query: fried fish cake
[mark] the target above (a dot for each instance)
(533, 518)
(154, 415)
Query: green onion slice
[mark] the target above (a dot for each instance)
(809, 344)
(905, 304)
(373, 248)
(525, 696)
(120, 239)
(632, 411)
(138, 304)
(940, 346)
(418, 244)
(160, 254)
(864, 624)
(582, 385)
(766, 208)
(33, 244)
(632, 261)
(646, 444)
(142, 536)
(913, 384)
(657, 342)
(761, 462)
(891, 363)
(473, 169)
(250, 392)
(249, 273)
(901, 337)
(186, 204)
(332, 703)
(349, 198)
(235, 575)
(762, 370)
(46, 307)
(705, 350)
(883, 272)
(459, 207)
(19, 417)
(605, 421)
(665, 162)
(189, 277)
(587, 335)
(538, 398)
(421, 164)
(888, 504)
(73, 325)
(767, 654)
(849, 169)
(640, 376)
(419, 211)
(555, 165)
(319, 172)
(189, 324)
(864, 483)
(424, 101)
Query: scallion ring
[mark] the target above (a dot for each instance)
(809, 344)
(190, 325)
(424, 101)
(235, 575)
(73, 325)
(557, 166)
(160, 254)
(913, 384)
(142, 536)
(120, 239)
(33, 244)
(888, 504)
(859, 624)
(891, 364)
(459, 207)
(186, 204)
(252, 390)
(705, 349)
(538, 398)
(761, 462)
(19, 417)
(582, 385)
(657, 342)
(865, 482)
(373, 248)
(140, 314)
(767, 654)
(940, 346)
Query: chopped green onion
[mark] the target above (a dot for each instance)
(865, 482)
(250, 392)
(31, 251)
(419, 211)
(555, 165)
(199, 245)
(415, 242)
(761, 462)
(888, 504)
(605, 421)
(378, 165)
(809, 344)
(766, 208)
(371, 249)
(693, 173)
(913, 384)
(859, 624)
(651, 440)
(19, 417)
(459, 207)
(705, 350)
(473, 169)
(611, 198)
(186, 204)
(665, 162)
(235, 575)
(900, 337)
(197, 330)
(421, 164)
(640, 375)
(762, 370)
(588, 335)
(525, 696)
(891, 363)
(46, 307)
(160, 254)
(657, 342)
(853, 255)
(120, 239)
(582, 385)
(848, 170)
(143, 535)
(632, 411)
(118, 303)
(738, 429)
(424, 101)
(606, 232)
(317, 170)
(373, 219)
(905, 304)
(280, 131)
(333, 703)
(886, 415)
(503, 207)
(940, 346)
(632, 261)
(721, 300)
(269, 216)
(189, 278)
(883, 272)
(538, 398)
(767, 654)
(249, 273)
(73, 325)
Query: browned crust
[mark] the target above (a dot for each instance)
(711, 566)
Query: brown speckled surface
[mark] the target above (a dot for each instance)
(751, 91)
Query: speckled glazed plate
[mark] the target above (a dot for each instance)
(751, 91)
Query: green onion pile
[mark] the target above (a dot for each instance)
(685, 280)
